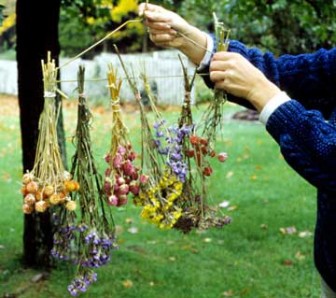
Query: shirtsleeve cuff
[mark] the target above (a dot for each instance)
(272, 105)
(208, 54)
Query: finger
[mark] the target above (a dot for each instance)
(157, 17)
(162, 31)
(219, 65)
(161, 38)
(157, 25)
(223, 56)
(217, 76)
(148, 7)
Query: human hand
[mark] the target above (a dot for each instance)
(163, 25)
(168, 29)
(234, 74)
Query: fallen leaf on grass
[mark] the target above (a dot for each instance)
(232, 208)
(207, 240)
(172, 259)
(128, 220)
(300, 256)
(127, 283)
(254, 177)
(133, 230)
(224, 204)
(119, 229)
(288, 230)
(287, 262)
(305, 234)
(228, 293)
(39, 277)
(229, 175)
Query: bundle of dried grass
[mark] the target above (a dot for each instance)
(197, 212)
(48, 183)
(213, 116)
(87, 238)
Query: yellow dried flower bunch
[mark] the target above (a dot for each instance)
(158, 200)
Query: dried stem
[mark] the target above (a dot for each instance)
(48, 165)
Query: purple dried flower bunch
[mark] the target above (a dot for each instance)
(169, 142)
(84, 246)
(85, 237)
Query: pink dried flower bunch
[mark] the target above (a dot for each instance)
(121, 177)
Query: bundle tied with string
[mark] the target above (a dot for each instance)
(86, 238)
(197, 153)
(48, 184)
(159, 187)
(213, 116)
(122, 175)
(175, 159)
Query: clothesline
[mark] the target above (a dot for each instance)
(115, 31)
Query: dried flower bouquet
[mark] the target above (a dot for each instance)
(86, 237)
(48, 183)
(122, 175)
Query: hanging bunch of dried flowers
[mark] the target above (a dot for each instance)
(159, 186)
(196, 154)
(48, 183)
(87, 237)
(121, 176)
(213, 116)
(173, 170)
(163, 170)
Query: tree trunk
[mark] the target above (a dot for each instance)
(37, 33)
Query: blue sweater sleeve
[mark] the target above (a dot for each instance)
(309, 78)
(307, 142)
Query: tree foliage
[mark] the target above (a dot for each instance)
(282, 26)
(1, 13)
(93, 19)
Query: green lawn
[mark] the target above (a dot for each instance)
(255, 256)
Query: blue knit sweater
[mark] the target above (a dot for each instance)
(305, 129)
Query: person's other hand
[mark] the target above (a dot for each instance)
(164, 25)
(234, 74)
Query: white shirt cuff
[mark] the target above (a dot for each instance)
(272, 105)
(208, 54)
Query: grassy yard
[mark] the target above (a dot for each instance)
(265, 252)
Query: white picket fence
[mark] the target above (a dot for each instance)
(162, 68)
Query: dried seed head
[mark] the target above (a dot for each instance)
(222, 156)
(38, 196)
(41, 206)
(29, 199)
(113, 200)
(66, 176)
(26, 178)
(54, 199)
(48, 190)
(27, 209)
(70, 185)
(70, 205)
(32, 187)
